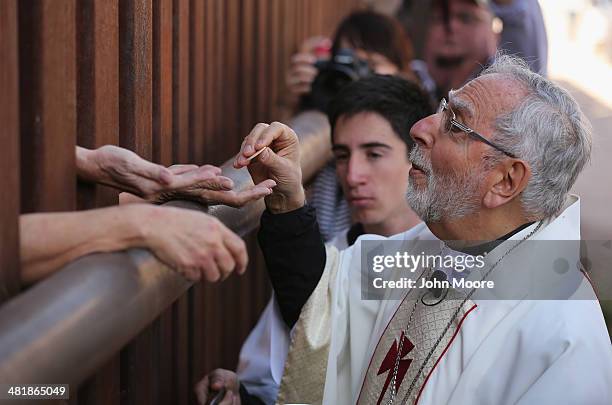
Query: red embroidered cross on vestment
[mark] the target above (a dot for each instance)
(388, 364)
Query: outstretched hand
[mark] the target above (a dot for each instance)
(125, 170)
(205, 185)
(122, 169)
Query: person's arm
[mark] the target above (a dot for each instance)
(294, 252)
(289, 235)
(263, 353)
(194, 244)
(143, 181)
(190, 184)
(121, 169)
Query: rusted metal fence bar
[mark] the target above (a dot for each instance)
(47, 80)
(9, 152)
(97, 44)
(68, 326)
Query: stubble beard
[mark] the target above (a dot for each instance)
(447, 195)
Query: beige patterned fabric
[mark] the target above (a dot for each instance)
(304, 376)
(426, 327)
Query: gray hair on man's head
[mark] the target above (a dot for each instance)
(547, 130)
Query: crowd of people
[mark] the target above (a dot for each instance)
(468, 143)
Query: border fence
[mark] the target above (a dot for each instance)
(177, 81)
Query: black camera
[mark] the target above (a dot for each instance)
(343, 68)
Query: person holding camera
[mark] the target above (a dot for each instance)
(364, 43)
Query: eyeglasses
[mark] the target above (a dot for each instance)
(449, 121)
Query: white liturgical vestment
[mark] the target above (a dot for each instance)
(263, 354)
(505, 347)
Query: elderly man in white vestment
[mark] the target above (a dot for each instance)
(491, 177)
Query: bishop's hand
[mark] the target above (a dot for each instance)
(280, 162)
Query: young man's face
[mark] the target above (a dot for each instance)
(372, 166)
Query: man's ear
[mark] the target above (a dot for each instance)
(511, 178)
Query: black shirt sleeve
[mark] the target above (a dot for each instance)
(295, 256)
(248, 399)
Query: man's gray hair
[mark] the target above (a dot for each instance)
(547, 130)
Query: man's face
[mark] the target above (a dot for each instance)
(454, 51)
(372, 166)
(448, 178)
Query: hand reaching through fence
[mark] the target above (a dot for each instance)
(144, 181)
(195, 244)
(280, 162)
(192, 184)
(125, 170)
(122, 169)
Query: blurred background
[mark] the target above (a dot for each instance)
(580, 59)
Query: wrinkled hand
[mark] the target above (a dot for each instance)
(205, 185)
(122, 169)
(195, 244)
(279, 162)
(302, 71)
(213, 382)
(125, 170)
